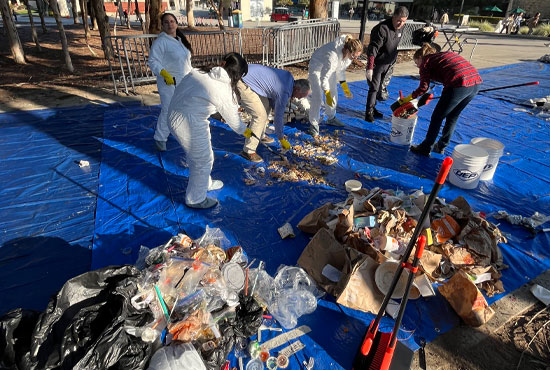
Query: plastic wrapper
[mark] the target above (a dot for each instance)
(185, 306)
(292, 304)
(193, 327)
(182, 356)
(214, 236)
(296, 278)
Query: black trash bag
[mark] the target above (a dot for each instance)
(16, 328)
(425, 35)
(83, 325)
(215, 358)
(249, 316)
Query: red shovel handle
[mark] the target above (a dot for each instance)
(444, 171)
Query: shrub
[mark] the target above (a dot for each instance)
(523, 30)
(483, 26)
(542, 30)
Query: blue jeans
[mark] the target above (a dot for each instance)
(449, 107)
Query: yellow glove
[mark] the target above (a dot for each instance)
(247, 133)
(285, 144)
(406, 99)
(345, 87)
(167, 77)
(328, 97)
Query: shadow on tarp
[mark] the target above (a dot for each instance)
(33, 269)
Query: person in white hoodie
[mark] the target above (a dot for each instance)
(201, 94)
(327, 67)
(170, 61)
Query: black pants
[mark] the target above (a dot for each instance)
(449, 107)
(375, 85)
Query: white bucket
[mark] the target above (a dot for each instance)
(495, 149)
(468, 163)
(402, 130)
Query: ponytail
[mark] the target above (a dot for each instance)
(184, 40)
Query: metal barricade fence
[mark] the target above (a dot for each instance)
(406, 38)
(295, 42)
(131, 53)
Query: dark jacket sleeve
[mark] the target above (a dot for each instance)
(378, 37)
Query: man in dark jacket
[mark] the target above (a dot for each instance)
(381, 54)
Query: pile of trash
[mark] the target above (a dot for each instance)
(545, 58)
(297, 110)
(307, 162)
(358, 242)
(187, 304)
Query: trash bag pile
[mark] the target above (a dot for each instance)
(379, 223)
(186, 305)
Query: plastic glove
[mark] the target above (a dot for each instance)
(247, 133)
(285, 144)
(345, 87)
(167, 77)
(328, 97)
(369, 74)
(406, 99)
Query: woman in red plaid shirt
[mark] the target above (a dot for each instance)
(461, 83)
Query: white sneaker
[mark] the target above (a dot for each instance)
(335, 122)
(215, 185)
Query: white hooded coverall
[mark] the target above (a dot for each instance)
(195, 99)
(170, 54)
(326, 68)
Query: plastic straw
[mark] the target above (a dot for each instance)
(163, 305)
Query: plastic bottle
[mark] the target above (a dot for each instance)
(192, 278)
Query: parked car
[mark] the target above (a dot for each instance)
(280, 14)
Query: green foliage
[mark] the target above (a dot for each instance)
(479, 18)
(523, 30)
(483, 26)
(284, 2)
(303, 2)
(542, 30)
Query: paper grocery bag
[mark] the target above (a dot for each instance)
(359, 291)
(466, 299)
(316, 219)
(355, 287)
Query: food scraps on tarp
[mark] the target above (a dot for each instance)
(193, 302)
(370, 227)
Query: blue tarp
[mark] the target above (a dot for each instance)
(48, 201)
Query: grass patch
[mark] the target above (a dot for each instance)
(483, 26)
(542, 30)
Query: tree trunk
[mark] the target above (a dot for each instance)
(33, 30)
(13, 36)
(93, 16)
(154, 16)
(138, 15)
(62, 36)
(128, 10)
(120, 12)
(318, 9)
(218, 13)
(103, 26)
(75, 12)
(41, 10)
(189, 10)
(147, 15)
(84, 9)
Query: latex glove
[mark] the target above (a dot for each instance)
(345, 87)
(406, 99)
(285, 144)
(328, 97)
(247, 133)
(369, 74)
(167, 77)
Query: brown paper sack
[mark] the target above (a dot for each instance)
(345, 223)
(356, 288)
(466, 299)
(316, 219)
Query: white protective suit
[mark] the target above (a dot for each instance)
(195, 99)
(326, 68)
(170, 54)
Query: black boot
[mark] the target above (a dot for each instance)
(420, 150)
(376, 113)
(369, 116)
